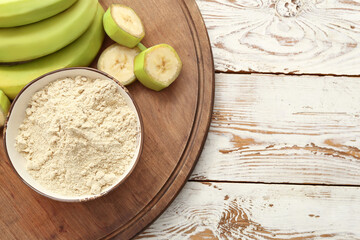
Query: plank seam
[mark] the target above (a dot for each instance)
(285, 74)
(273, 183)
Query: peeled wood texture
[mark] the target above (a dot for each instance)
(275, 128)
(287, 36)
(259, 211)
(283, 129)
(176, 122)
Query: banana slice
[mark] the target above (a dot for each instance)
(118, 61)
(123, 25)
(157, 67)
(4, 107)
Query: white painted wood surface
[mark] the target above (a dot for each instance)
(284, 129)
(269, 132)
(259, 211)
(322, 36)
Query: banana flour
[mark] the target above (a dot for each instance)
(78, 136)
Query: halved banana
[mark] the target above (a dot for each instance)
(157, 67)
(4, 107)
(118, 61)
(123, 25)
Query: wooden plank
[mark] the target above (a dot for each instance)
(287, 36)
(283, 129)
(259, 211)
(176, 122)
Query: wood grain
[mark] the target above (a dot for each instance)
(176, 122)
(275, 128)
(286, 36)
(283, 129)
(259, 211)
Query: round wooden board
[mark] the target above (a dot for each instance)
(176, 121)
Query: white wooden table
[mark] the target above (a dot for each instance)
(282, 158)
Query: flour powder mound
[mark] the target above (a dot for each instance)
(79, 136)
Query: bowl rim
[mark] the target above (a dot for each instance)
(141, 134)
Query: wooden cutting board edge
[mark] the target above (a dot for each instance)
(199, 130)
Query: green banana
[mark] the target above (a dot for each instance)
(14, 13)
(79, 53)
(4, 107)
(42, 38)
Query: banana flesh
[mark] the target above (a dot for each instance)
(45, 37)
(157, 67)
(14, 13)
(162, 65)
(127, 19)
(123, 25)
(118, 61)
(79, 53)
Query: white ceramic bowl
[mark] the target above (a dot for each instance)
(17, 114)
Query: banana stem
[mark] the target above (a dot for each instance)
(141, 47)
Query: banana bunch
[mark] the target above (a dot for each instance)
(36, 40)
(39, 36)
(156, 67)
(81, 52)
